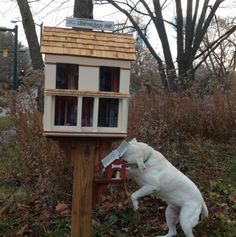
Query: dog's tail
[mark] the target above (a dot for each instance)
(204, 212)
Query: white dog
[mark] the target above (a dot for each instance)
(155, 174)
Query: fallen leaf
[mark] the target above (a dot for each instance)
(22, 207)
(232, 198)
(5, 210)
(204, 235)
(61, 206)
(62, 209)
(21, 231)
(44, 215)
(33, 200)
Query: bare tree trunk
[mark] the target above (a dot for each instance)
(170, 68)
(83, 8)
(185, 37)
(31, 36)
(32, 39)
(190, 33)
(162, 69)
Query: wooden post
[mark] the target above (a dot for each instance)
(83, 156)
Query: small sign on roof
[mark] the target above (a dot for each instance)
(86, 23)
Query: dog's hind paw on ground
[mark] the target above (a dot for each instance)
(166, 235)
(135, 206)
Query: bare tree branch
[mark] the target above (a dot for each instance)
(200, 32)
(140, 32)
(190, 32)
(205, 53)
(218, 41)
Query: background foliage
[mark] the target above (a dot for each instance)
(196, 132)
(6, 63)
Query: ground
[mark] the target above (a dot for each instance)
(209, 164)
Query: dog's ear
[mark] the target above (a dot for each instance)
(133, 141)
(141, 164)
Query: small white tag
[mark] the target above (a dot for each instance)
(116, 166)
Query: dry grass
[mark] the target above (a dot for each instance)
(163, 118)
(32, 160)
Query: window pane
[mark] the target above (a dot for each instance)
(87, 112)
(67, 76)
(108, 112)
(109, 79)
(66, 110)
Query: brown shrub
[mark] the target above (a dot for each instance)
(44, 169)
(160, 119)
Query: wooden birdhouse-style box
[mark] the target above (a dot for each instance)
(87, 78)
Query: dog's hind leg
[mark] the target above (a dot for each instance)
(172, 218)
(189, 216)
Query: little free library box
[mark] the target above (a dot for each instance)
(87, 77)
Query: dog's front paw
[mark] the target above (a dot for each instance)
(135, 205)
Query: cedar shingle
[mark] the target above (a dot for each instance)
(78, 42)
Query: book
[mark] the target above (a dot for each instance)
(115, 154)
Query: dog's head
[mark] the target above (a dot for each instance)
(137, 153)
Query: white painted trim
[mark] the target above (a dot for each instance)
(95, 114)
(86, 61)
(83, 134)
(79, 113)
(88, 78)
(50, 76)
(124, 114)
(124, 81)
(49, 118)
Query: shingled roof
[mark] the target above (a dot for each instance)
(79, 42)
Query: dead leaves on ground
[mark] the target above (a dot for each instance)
(22, 219)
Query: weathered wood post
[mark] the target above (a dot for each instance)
(87, 76)
(83, 156)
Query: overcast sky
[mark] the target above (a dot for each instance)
(54, 12)
(50, 12)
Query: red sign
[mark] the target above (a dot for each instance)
(116, 171)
